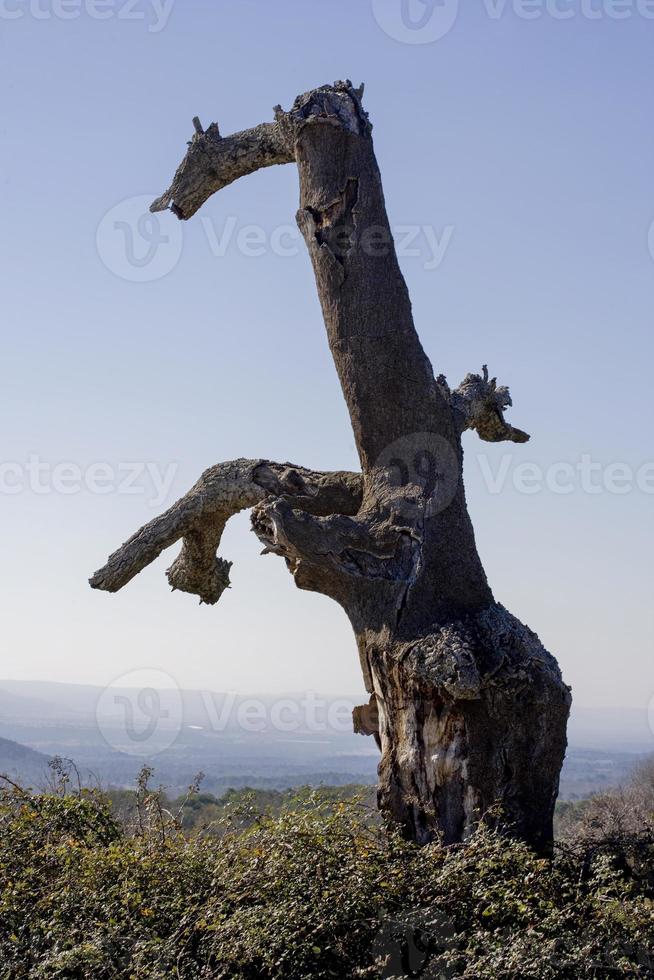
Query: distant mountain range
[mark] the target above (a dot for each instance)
(272, 741)
(624, 729)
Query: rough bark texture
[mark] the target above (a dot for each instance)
(468, 708)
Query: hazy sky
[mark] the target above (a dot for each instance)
(517, 151)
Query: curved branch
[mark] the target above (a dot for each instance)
(200, 516)
(212, 162)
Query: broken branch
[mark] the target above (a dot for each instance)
(479, 403)
(200, 516)
(213, 161)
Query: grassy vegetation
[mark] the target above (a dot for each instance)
(315, 888)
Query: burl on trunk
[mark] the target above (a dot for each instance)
(468, 708)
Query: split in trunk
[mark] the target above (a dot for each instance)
(468, 708)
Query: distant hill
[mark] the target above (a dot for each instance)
(23, 764)
(46, 700)
(21, 707)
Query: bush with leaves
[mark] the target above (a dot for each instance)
(318, 890)
(627, 809)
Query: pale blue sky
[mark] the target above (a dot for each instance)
(526, 147)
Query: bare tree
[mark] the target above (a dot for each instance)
(467, 706)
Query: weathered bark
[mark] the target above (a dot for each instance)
(200, 516)
(467, 706)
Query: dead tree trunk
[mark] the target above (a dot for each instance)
(467, 706)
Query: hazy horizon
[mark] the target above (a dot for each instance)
(30, 709)
(263, 692)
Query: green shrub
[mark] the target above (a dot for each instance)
(318, 890)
